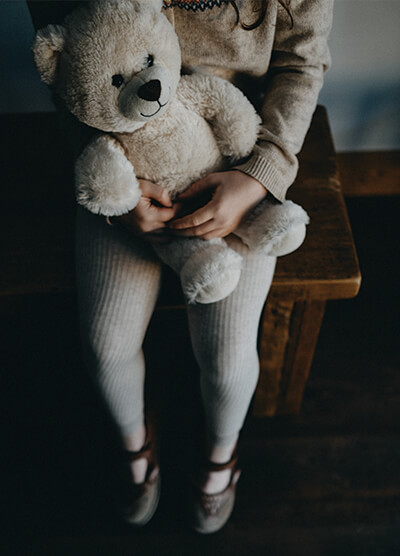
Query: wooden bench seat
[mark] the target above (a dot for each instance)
(37, 247)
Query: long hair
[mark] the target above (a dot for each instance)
(263, 11)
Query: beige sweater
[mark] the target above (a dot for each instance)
(279, 66)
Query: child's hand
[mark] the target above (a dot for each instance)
(154, 209)
(232, 195)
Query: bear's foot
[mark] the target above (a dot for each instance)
(210, 274)
(274, 229)
(289, 242)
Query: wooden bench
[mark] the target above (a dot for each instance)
(370, 173)
(37, 247)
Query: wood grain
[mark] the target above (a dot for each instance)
(305, 326)
(326, 266)
(288, 338)
(274, 339)
(369, 173)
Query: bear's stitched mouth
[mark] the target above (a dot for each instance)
(156, 112)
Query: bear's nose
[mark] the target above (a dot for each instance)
(150, 90)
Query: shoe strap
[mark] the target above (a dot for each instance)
(147, 450)
(144, 452)
(211, 466)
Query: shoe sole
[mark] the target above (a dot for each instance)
(152, 510)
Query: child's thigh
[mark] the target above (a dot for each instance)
(118, 278)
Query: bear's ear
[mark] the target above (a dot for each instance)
(157, 4)
(47, 46)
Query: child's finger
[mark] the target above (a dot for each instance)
(163, 214)
(197, 231)
(193, 220)
(156, 192)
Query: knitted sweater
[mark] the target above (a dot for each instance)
(279, 66)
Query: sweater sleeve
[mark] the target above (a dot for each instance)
(299, 59)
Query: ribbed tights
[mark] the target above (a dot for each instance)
(118, 283)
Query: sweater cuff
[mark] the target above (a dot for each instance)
(262, 170)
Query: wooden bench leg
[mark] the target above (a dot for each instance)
(288, 336)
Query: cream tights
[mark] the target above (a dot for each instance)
(118, 277)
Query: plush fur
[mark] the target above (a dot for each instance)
(104, 162)
(116, 64)
(277, 235)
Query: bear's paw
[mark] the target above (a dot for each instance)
(105, 179)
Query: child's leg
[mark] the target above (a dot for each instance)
(118, 279)
(224, 337)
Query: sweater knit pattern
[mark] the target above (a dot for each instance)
(194, 5)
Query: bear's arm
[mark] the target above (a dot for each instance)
(105, 179)
(232, 117)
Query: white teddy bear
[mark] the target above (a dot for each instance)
(116, 64)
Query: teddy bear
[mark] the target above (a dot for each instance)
(116, 64)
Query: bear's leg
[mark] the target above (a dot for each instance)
(209, 270)
(274, 229)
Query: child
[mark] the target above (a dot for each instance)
(276, 51)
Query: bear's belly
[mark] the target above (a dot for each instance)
(174, 150)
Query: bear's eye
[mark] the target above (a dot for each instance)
(149, 60)
(117, 80)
